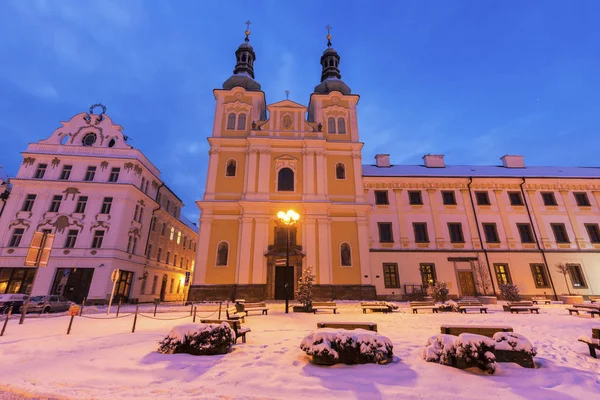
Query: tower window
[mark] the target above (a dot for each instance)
(285, 180)
(222, 254)
(66, 172)
(331, 125)
(40, 171)
(340, 171)
(341, 126)
(230, 170)
(114, 174)
(231, 121)
(241, 123)
(346, 255)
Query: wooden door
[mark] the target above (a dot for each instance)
(467, 283)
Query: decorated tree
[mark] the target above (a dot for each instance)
(563, 269)
(304, 292)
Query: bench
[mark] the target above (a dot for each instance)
(423, 305)
(594, 299)
(593, 342)
(484, 330)
(592, 309)
(236, 325)
(521, 306)
(233, 313)
(247, 307)
(464, 306)
(324, 305)
(376, 306)
(537, 300)
(369, 326)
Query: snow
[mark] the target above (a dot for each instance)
(102, 359)
(319, 341)
(179, 332)
(513, 341)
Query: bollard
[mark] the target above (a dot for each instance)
(194, 320)
(6, 320)
(220, 304)
(191, 309)
(155, 307)
(70, 324)
(118, 306)
(135, 318)
(82, 305)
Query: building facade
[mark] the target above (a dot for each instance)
(107, 208)
(380, 230)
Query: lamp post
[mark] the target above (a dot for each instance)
(288, 218)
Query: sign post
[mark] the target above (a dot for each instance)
(114, 277)
(37, 256)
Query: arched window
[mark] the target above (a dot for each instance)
(285, 180)
(340, 171)
(341, 126)
(331, 125)
(346, 255)
(231, 121)
(241, 125)
(222, 253)
(231, 168)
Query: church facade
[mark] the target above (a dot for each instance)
(377, 230)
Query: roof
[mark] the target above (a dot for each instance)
(481, 171)
(189, 223)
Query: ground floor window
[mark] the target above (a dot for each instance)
(16, 280)
(72, 283)
(123, 286)
(577, 277)
(540, 275)
(390, 275)
(427, 274)
(502, 274)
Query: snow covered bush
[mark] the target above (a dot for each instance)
(510, 292)
(439, 291)
(440, 349)
(198, 339)
(463, 351)
(449, 305)
(357, 346)
(515, 342)
(304, 292)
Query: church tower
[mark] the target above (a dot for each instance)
(280, 157)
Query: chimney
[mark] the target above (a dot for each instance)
(512, 161)
(382, 160)
(434, 160)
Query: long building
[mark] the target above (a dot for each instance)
(107, 208)
(376, 230)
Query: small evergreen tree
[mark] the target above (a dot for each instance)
(510, 292)
(304, 292)
(439, 291)
(563, 269)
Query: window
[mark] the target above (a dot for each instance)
(341, 125)
(331, 125)
(549, 199)
(141, 214)
(593, 232)
(390, 275)
(456, 233)
(525, 233)
(135, 213)
(385, 232)
(285, 180)
(114, 175)
(184, 241)
(178, 286)
(576, 274)
(149, 250)
(17, 235)
(340, 171)
(560, 233)
(420, 229)
(153, 224)
(71, 238)
(106, 205)
(97, 240)
(175, 260)
(222, 254)
(81, 203)
(231, 168)
(181, 263)
(241, 124)
(163, 230)
(55, 204)
(502, 274)
(483, 199)
(66, 172)
(172, 235)
(428, 276)
(448, 198)
(90, 174)
(381, 197)
(159, 254)
(491, 232)
(178, 237)
(582, 199)
(171, 285)
(129, 243)
(143, 183)
(154, 284)
(28, 204)
(414, 197)
(40, 171)
(231, 121)
(515, 198)
(168, 257)
(540, 276)
(346, 255)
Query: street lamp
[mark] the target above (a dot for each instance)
(288, 218)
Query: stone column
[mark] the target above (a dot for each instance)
(579, 239)
(211, 180)
(264, 174)
(244, 251)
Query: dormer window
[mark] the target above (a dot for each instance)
(336, 125)
(236, 121)
(230, 170)
(89, 139)
(331, 125)
(341, 126)
(241, 124)
(231, 121)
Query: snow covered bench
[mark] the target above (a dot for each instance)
(423, 305)
(519, 306)
(233, 313)
(592, 309)
(247, 307)
(594, 299)
(234, 324)
(483, 330)
(324, 305)
(376, 306)
(369, 326)
(464, 306)
(537, 300)
(593, 342)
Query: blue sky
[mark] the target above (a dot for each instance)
(469, 79)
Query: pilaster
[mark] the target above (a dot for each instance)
(358, 182)
(321, 175)
(250, 178)
(244, 252)
(309, 174)
(503, 216)
(264, 173)
(471, 218)
(261, 244)
(211, 180)
(201, 266)
(538, 222)
(580, 240)
(325, 260)
(404, 228)
(363, 250)
(437, 227)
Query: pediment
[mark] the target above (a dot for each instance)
(287, 104)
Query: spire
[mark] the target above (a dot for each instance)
(243, 73)
(331, 78)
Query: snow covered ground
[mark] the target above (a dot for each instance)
(102, 359)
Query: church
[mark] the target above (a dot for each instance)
(287, 188)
